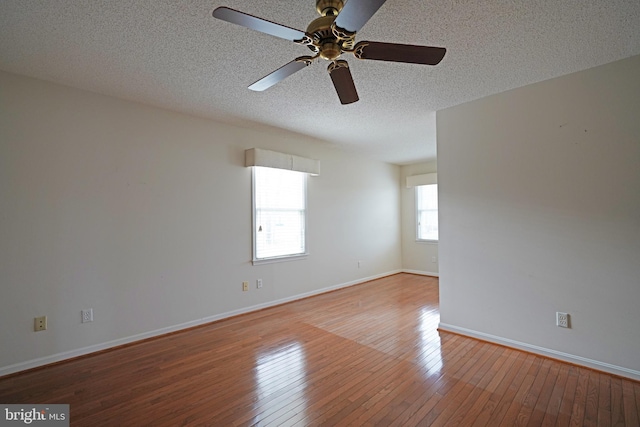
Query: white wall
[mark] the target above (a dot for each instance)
(417, 257)
(144, 215)
(540, 212)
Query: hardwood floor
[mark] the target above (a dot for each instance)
(365, 355)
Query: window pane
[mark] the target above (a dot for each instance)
(279, 189)
(427, 211)
(428, 197)
(279, 212)
(279, 233)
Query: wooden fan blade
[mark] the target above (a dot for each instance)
(356, 13)
(262, 25)
(281, 73)
(343, 82)
(399, 52)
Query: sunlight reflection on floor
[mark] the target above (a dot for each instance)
(430, 355)
(282, 369)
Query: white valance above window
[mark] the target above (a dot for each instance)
(274, 159)
(424, 179)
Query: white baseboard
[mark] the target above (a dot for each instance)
(422, 273)
(553, 354)
(58, 357)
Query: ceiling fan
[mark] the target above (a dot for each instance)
(330, 36)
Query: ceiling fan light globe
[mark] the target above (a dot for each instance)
(330, 51)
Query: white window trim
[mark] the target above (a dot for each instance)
(259, 261)
(275, 259)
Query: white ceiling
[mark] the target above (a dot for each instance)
(175, 55)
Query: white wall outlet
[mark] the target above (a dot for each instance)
(87, 315)
(433, 259)
(245, 286)
(40, 323)
(359, 264)
(259, 283)
(562, 320)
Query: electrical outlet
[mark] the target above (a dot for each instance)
(40, 323)
(562, 320)
(433, 259)
(259, 283)
(359, 264)
(87, 315)
(245, 286)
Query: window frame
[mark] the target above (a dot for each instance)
(417, 211)
(280, 258)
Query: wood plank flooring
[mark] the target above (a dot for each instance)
(365, 355)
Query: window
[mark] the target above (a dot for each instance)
(427, 212)
(279, 213)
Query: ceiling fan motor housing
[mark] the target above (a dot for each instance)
(325, 40)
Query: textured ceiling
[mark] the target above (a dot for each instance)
(175, 55)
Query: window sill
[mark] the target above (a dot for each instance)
(279, 259)
(429, 242)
